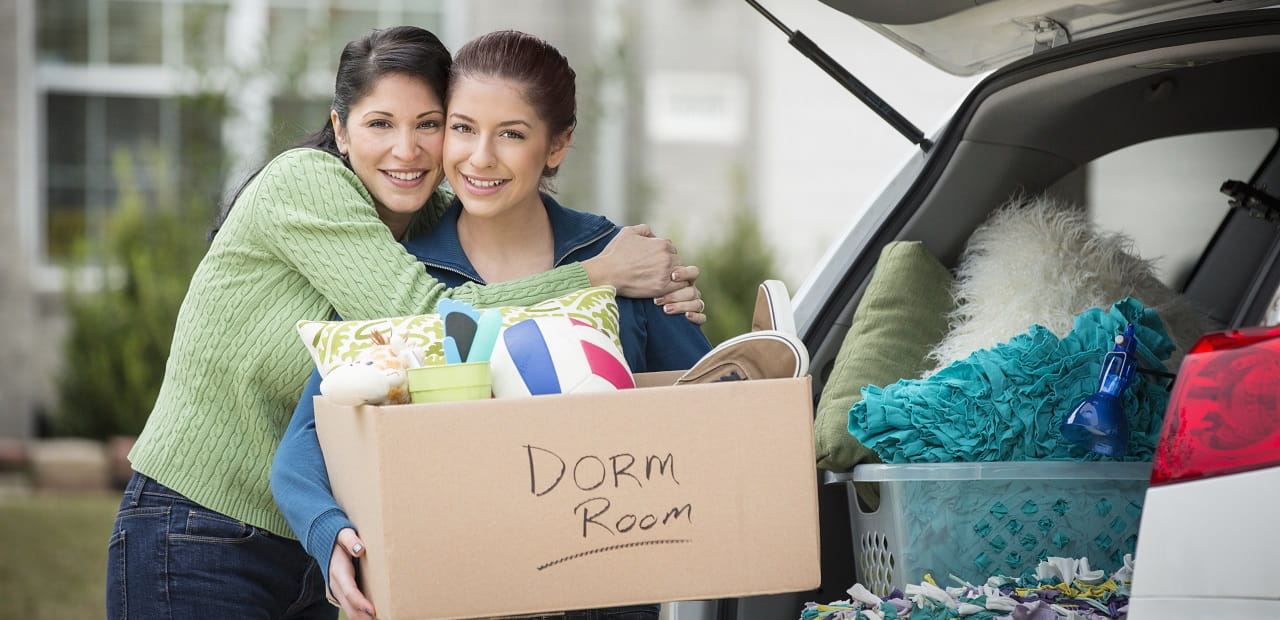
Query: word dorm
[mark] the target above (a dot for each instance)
(590, 473)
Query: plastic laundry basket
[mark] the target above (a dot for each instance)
(975, 520)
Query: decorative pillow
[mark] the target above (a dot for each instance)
(333, 343)
(902, 314)
(1038, 261)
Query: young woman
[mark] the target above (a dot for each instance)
(509, 124)
(198, 534)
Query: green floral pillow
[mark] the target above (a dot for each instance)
(333, 343)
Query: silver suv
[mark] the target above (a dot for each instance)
(1159, 121)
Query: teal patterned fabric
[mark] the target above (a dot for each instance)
(1006, 403)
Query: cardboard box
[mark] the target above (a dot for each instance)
(576, 501)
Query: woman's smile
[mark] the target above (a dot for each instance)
(405, 178)
(483, 186)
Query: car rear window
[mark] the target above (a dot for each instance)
(1164, 194)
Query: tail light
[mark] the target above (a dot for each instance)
(1224, 412)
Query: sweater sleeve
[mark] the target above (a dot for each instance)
(314, 214)
(300, 483)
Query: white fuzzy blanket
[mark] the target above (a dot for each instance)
(1042, 261)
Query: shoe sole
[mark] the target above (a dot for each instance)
(768, 354)
(773, 308)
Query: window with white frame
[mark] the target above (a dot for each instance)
(154, 79)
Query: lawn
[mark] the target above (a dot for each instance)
(53, 551)
(53, 555)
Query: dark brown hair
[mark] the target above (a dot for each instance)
(407, 50)
(544, 74)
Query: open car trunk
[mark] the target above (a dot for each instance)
(1036, 126)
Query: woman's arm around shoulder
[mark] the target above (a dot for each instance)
(314, 214)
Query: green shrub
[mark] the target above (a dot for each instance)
(123, 302)
(732, 269)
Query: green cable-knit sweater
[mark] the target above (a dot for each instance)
(301, 242)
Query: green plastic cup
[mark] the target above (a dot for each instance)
(449, 382)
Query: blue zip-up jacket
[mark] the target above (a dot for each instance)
(651, 341)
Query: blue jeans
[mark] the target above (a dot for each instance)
(171, 558)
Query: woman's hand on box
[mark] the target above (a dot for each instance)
(342, 575)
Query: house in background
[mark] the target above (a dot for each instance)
(689, 110)
(22, 307)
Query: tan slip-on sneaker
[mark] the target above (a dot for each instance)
(773, 308)
(765, 354)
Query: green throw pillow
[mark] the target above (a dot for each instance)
(902, 315)
(333, 343)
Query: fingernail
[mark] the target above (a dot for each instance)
(674, 277)
(357, 548)
(658, 301)
(666, 309)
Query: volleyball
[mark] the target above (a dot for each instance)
(556, 355)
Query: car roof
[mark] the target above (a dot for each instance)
(967, 37)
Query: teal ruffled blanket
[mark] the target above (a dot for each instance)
(1005, 403)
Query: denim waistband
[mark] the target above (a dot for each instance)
(141, 484)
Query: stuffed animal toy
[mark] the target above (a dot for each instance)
(378, 376)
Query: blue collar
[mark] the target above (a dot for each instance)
(572, 230)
